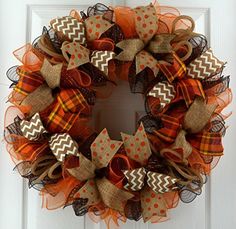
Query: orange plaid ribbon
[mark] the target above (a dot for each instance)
(64, 112)
(175, 70)
(169, 130)
(28, 81)
(29, 150)
(189, 89)
(208, 143)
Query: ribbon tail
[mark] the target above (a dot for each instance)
(135, 179)
(32, 129)
(84, 171)
(112, 196)
(129, 48)
(52, 74)
(145, 59)
(153, 204)
(89, 191)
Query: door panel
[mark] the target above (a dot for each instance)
(212, 210)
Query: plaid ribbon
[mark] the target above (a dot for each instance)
(68, 108)
(189, 89)
(170, 130)
(30, 150)
(207, 143)
(28, 81)
(175, 70)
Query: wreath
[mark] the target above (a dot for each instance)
(77, 60)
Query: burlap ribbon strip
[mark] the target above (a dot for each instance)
(100, 189)
(60, 144)
(195, 120)
(42, 97)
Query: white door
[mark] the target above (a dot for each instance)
(22, 21)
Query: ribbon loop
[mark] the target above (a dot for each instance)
(71, 28)
(51, 74)
(146, 22)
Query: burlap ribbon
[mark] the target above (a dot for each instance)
(45, 166)
(100, 189)
(60, 144)
(196, 118)
(42, 97)
(137, 148)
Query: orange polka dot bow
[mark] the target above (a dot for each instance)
(75, 52)
(157, 183)
(148, 43)
(98, 189)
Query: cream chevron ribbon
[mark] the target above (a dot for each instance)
(61, 144)
(203, 66)
(80, 55)
(159, 183)
(164, 91)
(70, 27)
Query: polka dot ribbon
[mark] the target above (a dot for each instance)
(141, 50)
(97, 189)
(78, 33)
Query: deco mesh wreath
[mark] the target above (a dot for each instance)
(79, 59)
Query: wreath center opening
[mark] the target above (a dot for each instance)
(119, 112)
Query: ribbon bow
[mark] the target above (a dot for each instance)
(196, 118)
(189, 87)
(60, 144)
(97, 189)
(79, 33)
(137, 148)
(148, 43)
(68, 103)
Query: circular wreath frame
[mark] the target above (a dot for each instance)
(79, 59)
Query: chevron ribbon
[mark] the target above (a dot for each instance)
(100, 59)
(204, 66)
(135, 178)
(164, 91)
(80, 55)
(60, 144)
(159, 183)
(71, 28)
(33, 129)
